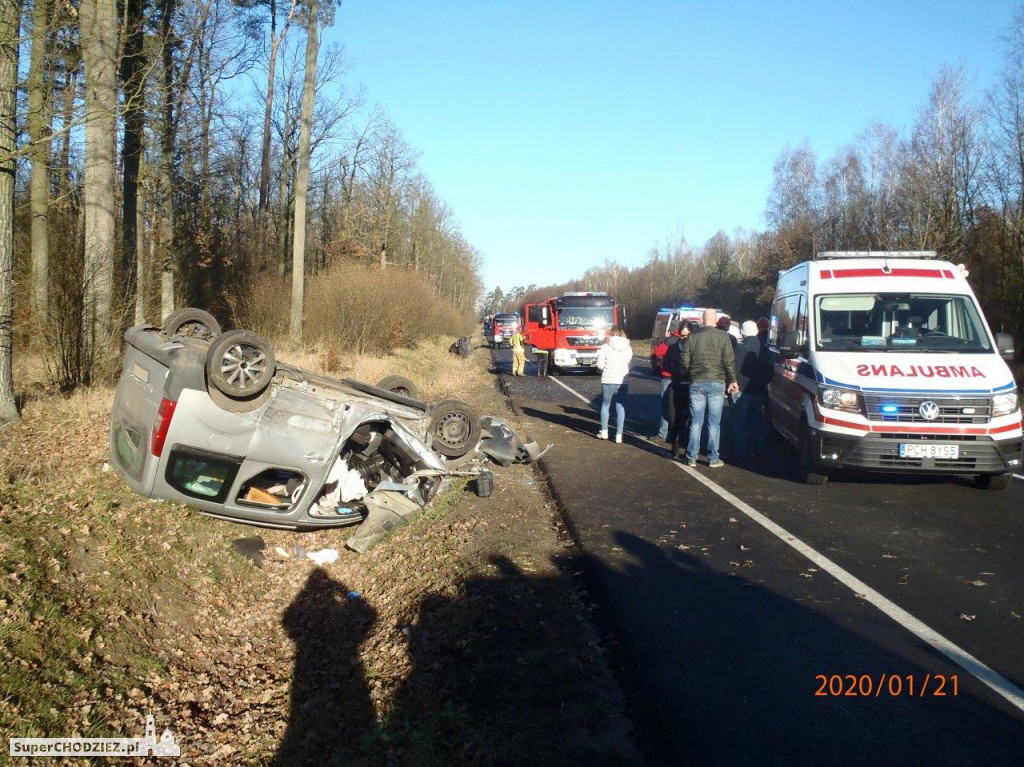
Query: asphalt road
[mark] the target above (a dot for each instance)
(871, 620)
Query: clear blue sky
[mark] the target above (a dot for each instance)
(566, 132)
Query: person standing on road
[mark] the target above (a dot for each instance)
(708, 355)
(658, 360)
(613, 360)
(540, 359)
(679, 425)
(518, 344)
(754, 369)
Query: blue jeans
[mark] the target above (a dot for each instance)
(618, 392)
(748, 423)
(666, 407)
(705, 396)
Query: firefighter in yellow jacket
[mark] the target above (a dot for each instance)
(518, 344)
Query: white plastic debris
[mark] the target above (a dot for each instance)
(343, 486)
(324, 556)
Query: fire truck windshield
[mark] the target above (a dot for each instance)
(589, 317)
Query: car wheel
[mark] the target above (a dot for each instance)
(454, 428)
(399, 385)
(810, 474)
(240, 364)
(192, 323)
(993, 481)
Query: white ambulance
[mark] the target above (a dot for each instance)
(884, 362)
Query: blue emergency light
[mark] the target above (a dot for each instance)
(890, 408)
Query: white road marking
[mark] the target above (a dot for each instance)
(1007, 689)
(1019, 476)
(987, 676)
(573, 392)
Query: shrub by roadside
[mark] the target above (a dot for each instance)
(359, 309)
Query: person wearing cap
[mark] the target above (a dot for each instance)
(754, 369)
(763, 324)
(724, 323)
(708, 356)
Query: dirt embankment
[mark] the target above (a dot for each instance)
(461, 639)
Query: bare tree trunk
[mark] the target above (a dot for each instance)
(39, 184)
(10, 23)
(140, 253)
(302, 175)
(99, 53)
(133, 76)
(167, 132)
(64, 157)
(282, 210)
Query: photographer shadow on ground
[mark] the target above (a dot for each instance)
(330, 700)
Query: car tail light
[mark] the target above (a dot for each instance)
(162, 424)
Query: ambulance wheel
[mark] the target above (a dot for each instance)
(399, 385)
(240, 364)
(454, 428)
(993, 481)
(554, 370)
(192, 323)
(807, 467)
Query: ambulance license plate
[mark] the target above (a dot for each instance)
(945, 452)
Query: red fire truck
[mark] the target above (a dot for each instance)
(571, 328)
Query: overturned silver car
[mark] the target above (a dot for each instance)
(213, 420)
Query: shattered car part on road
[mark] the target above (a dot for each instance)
(501, 444)
(213, 420)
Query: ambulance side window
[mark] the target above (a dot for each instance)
(788, 313)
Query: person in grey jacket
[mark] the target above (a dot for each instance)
(709, 357)
(613, 360)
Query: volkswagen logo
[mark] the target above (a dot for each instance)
(929, 410)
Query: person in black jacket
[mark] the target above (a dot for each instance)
(754, 369)
(679, 409)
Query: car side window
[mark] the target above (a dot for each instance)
(201, 474)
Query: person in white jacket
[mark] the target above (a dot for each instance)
(613, 360)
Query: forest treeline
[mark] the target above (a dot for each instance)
(953, 182)
(204, 153)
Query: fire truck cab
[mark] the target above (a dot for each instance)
(884, 362)
(571, 328)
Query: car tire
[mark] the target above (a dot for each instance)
(240, 364)
(808, 469)
(993, 481)
(454, 428)
(191, 323)
(399, 385)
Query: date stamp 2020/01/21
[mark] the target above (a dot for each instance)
(887, 685)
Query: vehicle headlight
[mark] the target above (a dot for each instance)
(1002, 404)
(839, 399)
